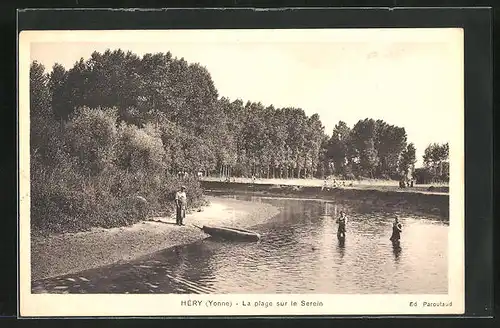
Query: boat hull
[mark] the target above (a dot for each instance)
(231, 233)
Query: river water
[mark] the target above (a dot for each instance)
(299, 253)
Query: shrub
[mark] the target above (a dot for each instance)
(95, 180)
(422, 176)
(91, 135)
(56, 203)
(140, 149)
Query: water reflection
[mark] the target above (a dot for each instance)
(299, 253)
(396, 249)
(341, 247)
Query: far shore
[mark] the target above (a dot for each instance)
(366, 184)
(61, 254)
(436, 204)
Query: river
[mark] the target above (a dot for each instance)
(299, 253)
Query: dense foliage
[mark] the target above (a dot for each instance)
(118, 125)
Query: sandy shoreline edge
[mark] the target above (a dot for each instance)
(56, 255)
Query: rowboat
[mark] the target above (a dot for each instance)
(228, 233)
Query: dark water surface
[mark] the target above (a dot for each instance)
(299, 253)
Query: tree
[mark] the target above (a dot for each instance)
(364, 136)
(279, 135)
(91, 135)
(390, 142)
(44, 137)
(140, 149)
(255, 137)
(296, 124)
(436, 161)
(314, 137)
(39, 92)
(408, 160)
(324, 162)
(59, 96)
(181, 101)
(233, 137)
(338, 147)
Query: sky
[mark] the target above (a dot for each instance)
(412, 79)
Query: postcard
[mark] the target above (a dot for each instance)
(241, 172)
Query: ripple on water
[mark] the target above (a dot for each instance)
(299, 253)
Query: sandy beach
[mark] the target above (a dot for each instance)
(61, 254)
(374, 184)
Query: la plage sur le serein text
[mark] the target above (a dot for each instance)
(257, 304)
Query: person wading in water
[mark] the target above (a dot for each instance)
(397, 228)
(180, 204)
(342, 221)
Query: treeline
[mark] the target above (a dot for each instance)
(375, 149)
(371, 149)
(436, 164)
(104, 132)
(118, 125)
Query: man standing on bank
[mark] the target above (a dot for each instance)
(180, 204)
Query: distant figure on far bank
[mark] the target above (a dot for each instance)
(397, 228)
(342, 221)
(180, 205)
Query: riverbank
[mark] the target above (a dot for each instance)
(374, 184)
(431, 203)
(61, 254)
